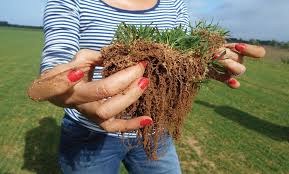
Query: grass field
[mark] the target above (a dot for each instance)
(228, 131)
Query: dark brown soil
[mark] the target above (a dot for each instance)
(174, 81)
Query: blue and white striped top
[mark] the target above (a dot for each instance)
(71, 25)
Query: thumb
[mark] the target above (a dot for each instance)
(88, 56)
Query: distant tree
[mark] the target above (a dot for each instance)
(7, 24)
(4, 23)
(254, 42)
(274, 43)
(286, 45)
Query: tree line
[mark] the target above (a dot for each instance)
(6, 24)
(273, 43)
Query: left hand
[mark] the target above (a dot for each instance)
(233, 62)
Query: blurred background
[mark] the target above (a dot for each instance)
(228, 131)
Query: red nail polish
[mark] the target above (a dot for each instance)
(232, 82)
(75, 75)
(240, 47)
(143, 83)
(144, 63)
(145, 122)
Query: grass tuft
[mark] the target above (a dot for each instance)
(181, 38)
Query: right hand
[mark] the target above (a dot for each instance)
(71, 85)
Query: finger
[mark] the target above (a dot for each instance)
(61, 78)
(111, 107)
(120, 102)
(226, 53)
(233, 83)
(224, 78)
(232, 66)
(247, 49)
(121, 125)
(109, 86)
(55, 83)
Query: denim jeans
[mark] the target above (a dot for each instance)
(83, 151)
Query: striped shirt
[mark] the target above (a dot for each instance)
(71, 25)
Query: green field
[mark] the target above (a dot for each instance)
(228, 131)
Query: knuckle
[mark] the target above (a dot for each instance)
(107, 126)
(103, 91)
(59, 88)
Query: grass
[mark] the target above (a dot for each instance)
(228, 131)
(194, 40)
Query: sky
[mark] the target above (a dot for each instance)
(256, 19)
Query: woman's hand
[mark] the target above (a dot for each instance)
(233, 62)
(71, 85)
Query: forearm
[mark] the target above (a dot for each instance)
(61, 30)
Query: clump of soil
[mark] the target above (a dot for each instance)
(175, 77)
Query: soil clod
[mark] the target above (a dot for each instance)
(175, 70)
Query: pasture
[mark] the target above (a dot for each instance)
(228, 131)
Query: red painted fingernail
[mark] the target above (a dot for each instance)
(144, 63)
(143, 83)
(145, 122)
(75, 75)
(232, 82)
(240, 47)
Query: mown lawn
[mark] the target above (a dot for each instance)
(228, 131)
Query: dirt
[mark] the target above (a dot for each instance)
(175, 79)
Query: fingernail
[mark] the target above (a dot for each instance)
(143, 83)
(75, 75)
(144, 63)
(232, 82)
(145, 122)
(240, 47)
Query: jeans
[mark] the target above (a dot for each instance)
(83, 151)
